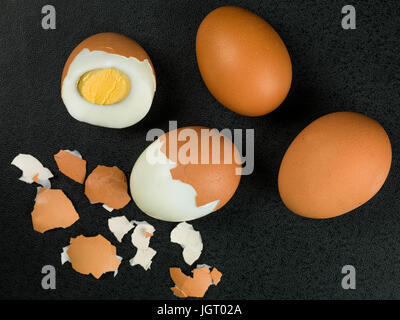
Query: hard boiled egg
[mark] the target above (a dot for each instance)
(109, 81)
(186, 174)
(336, 164)
(243, 61)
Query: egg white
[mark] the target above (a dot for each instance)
(123, 114)
(158, 195)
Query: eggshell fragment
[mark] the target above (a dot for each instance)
(107, 208)
(190, 241)
(64, 255)
(196, 286)
(107, 185)
(71, 164)
(143, 258)
(216, 276)
(93, 255)
(119, 226)
(52, 210)
(336, 164)
(141, 240)
(32, 170)
(36, 178)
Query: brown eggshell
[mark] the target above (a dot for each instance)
(216, 276)
(211, 181)
(52, 210)
(334, 165)
(243, 61)
(70, 165)
(93, 255)
(107, 185)
(109, 42)
(195, 286)
(36, 178)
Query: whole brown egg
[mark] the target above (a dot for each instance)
(243, 61)
(336, 164)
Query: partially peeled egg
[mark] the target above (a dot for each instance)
(186, 174)
(109, 81)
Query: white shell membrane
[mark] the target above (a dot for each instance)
(123, 114)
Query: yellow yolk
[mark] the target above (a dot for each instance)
(104, 86)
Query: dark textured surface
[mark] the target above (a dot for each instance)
(263, 250)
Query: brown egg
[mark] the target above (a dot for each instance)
(186, 174)
(334, 165)
(243, 61)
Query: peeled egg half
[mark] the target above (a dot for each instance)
(186, 174)
(109, 81)
(336, 164)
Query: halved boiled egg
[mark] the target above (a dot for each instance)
(109, 81)
(186, 174)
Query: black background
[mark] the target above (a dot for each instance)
(263, 250)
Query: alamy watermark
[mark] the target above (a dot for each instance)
(214, 144)
(49, 20)
(349, 280)
(349, 18)
(49, 280)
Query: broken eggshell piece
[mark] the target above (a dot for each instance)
(141, 236)
(107, 208)
(92, 255)
(216, 276)
(196, 286)
(143, 258)
(119, 226)
(189, 239)
(64, 255)
(107, 185)
(32, 170)
(71, 164)
(52, 210)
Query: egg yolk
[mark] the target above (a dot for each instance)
(104, 86)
